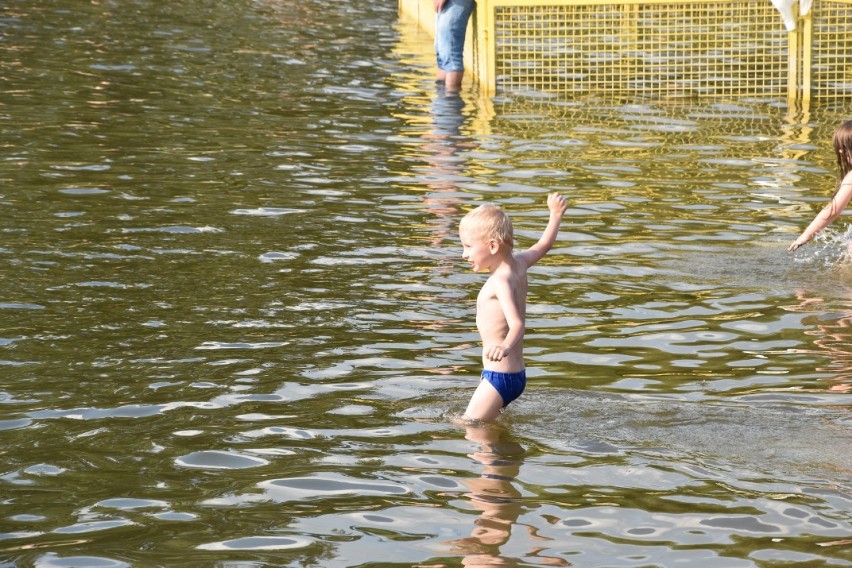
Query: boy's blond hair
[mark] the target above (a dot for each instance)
(489, 222)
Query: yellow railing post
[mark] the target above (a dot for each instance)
(629, 24)
(792, 67)
(807, 63)
(483, 26)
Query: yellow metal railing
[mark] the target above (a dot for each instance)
(673, 49)
(827, 36)
(657, 48)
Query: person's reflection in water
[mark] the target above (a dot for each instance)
(832, 338)
(499, 501)
(444, 170)
(443, 144)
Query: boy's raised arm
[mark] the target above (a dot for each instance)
(557, 205)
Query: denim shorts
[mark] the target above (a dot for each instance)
(450, 28)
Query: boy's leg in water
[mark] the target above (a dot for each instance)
(485, 404)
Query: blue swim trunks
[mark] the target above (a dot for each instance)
(509, 385)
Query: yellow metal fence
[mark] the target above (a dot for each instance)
(827, 49)
(683, 48)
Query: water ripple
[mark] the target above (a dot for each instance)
(258, 543)
(219, 460)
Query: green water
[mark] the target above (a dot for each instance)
(236, 325)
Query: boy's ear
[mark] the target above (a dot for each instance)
(493, 246)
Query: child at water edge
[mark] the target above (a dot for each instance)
(487, 242)
(843, 191)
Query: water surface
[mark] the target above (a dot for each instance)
(237, 327)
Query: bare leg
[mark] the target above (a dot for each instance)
(454, 80)
(485, 404)
(441, 77)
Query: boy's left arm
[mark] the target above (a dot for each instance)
(514, 320)
(557, 205)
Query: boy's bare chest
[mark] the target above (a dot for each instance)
(486, 295)
(489, 313)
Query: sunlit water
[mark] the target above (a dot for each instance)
(236, 327)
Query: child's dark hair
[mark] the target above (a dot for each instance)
(843, 149)
(489, 222)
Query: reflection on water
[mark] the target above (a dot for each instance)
(235, 327)
(832, 337)
(494, 494)
(444, 147)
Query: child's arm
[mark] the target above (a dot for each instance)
(557, 205)
(514, 320)
(828, 214)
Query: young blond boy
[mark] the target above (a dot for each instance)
(487, 239)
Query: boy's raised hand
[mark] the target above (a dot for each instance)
(557, 204)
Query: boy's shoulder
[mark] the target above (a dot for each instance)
(521, 262)
(511, 271)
